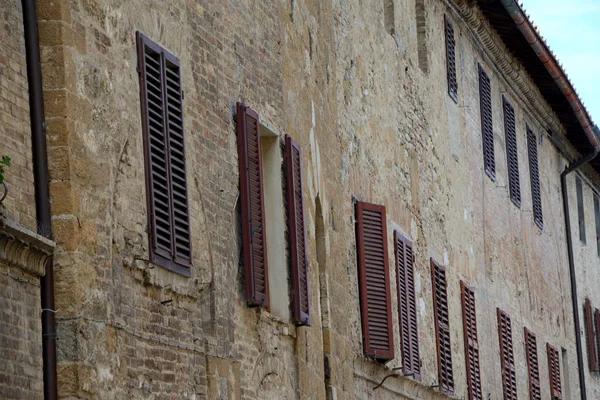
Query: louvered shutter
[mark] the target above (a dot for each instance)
(507, 358)
(597, 320)
(442, 328)
(164, 153)
(297, 233)
(374, 281)
(534, 174)
(252, 200)
(471, 343)
(407, 306)
(451, 58)
(533, 370)
(487, 128)
(554, 372)
(591, 342)
(512, 160)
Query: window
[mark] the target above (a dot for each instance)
(512, 160)
(471, 345)
(374, 281)
(580, 209)
(164, 154)
(297, 233)
(407, 307)
(554, 372)
(487, 128)
(534, 174)
(597, 217)
(442, 328)
(533, 370)
(421, 24)
(451, 58)
(507, 358)
(388, 16)
(597, 321)
(591, 339)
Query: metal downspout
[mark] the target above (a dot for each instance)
(42, 191)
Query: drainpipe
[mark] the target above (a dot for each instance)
(563, 181)
(42, 191)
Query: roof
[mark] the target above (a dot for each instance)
(527, 45)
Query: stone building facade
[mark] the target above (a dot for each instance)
(363, 88)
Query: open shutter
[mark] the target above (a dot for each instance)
(164, 154)
(534, 174)
(297, 233)
(487, 128)
(591, 341)
(407, 307)
(442, 328)
(451, 58)
(533, 370)
(252, 199)
(507, 358)
(471, 344)
(597, 320)
(374, 281)
(512, 160)
(554, 372)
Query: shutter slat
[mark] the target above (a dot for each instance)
(451, 58)
(506, 356)
(485, 104)
(510, 135)
(535, 178)
(442, 331)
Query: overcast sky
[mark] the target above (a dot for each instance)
(572, 30)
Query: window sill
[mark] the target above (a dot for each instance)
(24, 249)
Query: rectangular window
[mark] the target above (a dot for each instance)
(533, 370)
(507, 359)
(580, 209)
(297, 233)
(471, 343)
(554, 372)
(512, 160)
(536, 195)
(407, 306)
(487, 128)
(374, 281)
(442, 328)
(451, 58)
(597, 218)
(591, 338)
(164, 154)
(597, 323)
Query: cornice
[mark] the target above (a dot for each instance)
(24, 249)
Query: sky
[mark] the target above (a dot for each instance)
(571, 29)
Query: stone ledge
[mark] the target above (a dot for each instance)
(24, 249)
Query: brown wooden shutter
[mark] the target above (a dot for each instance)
(536, 195)
(164, 153)
(374, 281)
(407, 306)
(591, 341)
(512, 160)
(297, 233)
(507, 358)
(442, 328)
(487, 128)
(471, 343)
(554, 372)
(252, 199)
(533, 370)
(597, 320)
(451, 58)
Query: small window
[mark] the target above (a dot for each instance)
(442, 328)
(534, 174)
(512, 160)
(597, 218)
(487, 128)
(451, 58)
(471, 343)
(388, 16)
(580, 209)
(533, 369)
(554, 372)
(421, 23)
(164, 153)
(507, 358)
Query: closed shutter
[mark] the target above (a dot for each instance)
(591, 341)
(297, 233)
(471, 343)
(451, 58)
(442, 328)
(487, 128)
(597, 320)
(534, 174)
(164, 154)
(533, 370)
(554, 372)
(253, 214)
(407, 306)
(512, 160)
(374, 281)
(507, 359)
